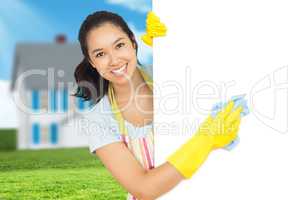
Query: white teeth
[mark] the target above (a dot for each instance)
(120, 70)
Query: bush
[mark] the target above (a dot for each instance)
(8, 139)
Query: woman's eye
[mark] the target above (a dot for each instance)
(120, 45)
(99, 54)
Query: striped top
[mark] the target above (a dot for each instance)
(143, 150)
(141, 147)
(105, 125)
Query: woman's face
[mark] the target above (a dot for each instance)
(112, 53)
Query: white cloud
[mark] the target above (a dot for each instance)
(8, 114)
(144, 51)
(137, 5)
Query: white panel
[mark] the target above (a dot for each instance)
(216, 49)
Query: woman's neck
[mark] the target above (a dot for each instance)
(136, 84)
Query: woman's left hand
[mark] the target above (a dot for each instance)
(154, 28)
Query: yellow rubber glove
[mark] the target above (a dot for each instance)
(154, 28)
(214, 133)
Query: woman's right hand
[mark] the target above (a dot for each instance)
(222, 129)
(213, 133)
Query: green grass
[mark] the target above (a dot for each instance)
(56, 174)
(8, 139)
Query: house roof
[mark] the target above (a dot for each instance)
(40, 63)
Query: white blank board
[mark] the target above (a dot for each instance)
(216, 49)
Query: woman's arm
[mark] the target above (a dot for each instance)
(142, 184)
(214, 133)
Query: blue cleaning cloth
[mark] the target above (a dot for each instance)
(239, 100)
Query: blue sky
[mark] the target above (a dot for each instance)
(40, 21)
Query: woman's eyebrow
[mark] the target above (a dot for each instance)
(96, 50)
(118, 40)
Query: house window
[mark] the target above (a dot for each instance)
(44, 135)
(53, 133)
(64, 99)
(35, 100)
(53, 100)
(43, 99)
(36, 133)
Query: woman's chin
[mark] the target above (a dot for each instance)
(120, 80)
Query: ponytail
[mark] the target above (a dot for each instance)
(90, 84)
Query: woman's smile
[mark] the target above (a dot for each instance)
(121, 70)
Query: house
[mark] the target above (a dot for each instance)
(41, 86)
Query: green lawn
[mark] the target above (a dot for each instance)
(56, 174)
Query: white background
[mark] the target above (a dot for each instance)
(227, 48)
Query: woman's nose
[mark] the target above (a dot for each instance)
(113, 59)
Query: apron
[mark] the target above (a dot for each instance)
(141, 147)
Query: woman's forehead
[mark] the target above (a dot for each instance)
(105, 35)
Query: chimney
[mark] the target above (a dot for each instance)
(60, 39)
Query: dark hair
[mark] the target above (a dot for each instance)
(90, 84)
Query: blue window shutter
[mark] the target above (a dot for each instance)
(80, 103)
(35, 100)
(53, 133)
(65, 99)
(53, 100)
(36, 133)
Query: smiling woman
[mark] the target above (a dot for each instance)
(121, 88)
(119, 128)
